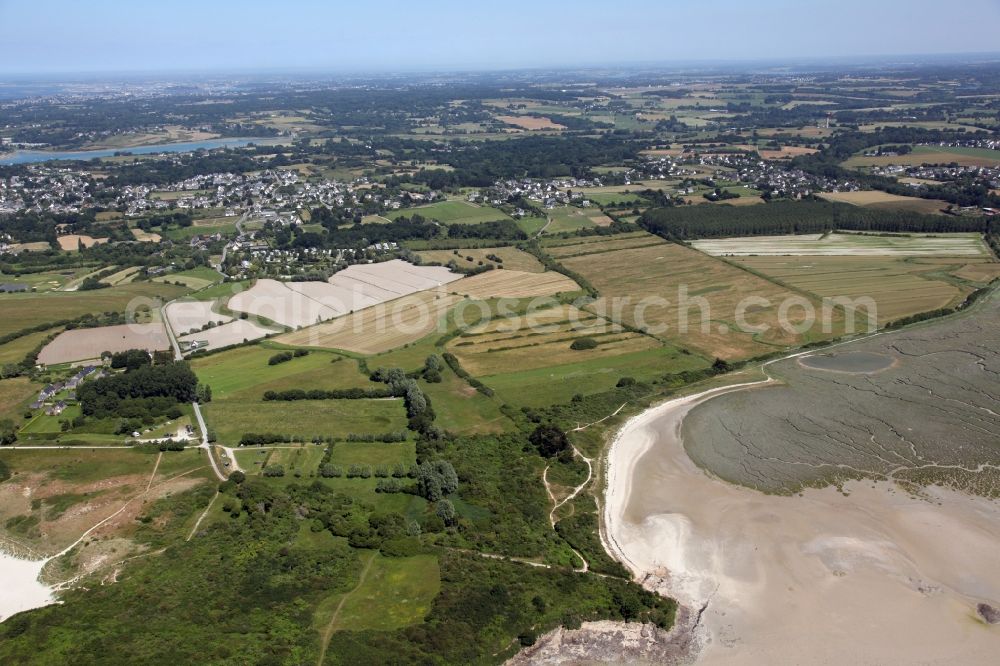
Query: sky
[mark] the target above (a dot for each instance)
(66, 36)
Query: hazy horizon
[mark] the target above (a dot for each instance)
(59, 37)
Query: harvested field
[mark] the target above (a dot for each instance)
(580, 249)
(542, 339)
(898, 286)
(298, 304)
(145, 236)
(980, 273)
(513, 259)
(122, 276)
(513, 284)
(88, 343)
(379, 328)
(786, 152)
(232, 333)
(931, 155)
(645, 287)
(531, 122)
(847, 244)
(877, 199)
(189, 316)
(71, 242)
(569, 218)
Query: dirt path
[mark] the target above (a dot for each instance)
(202, 517)
(328, 633)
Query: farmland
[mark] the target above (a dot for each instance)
(541, 339)
(379, 328)
(304, 419)
(514, 284)
(512, 258)
(89, 343)
(634, 283)
(298, 304)
(836, 244)
(931, 155)
(878, 199)
(25, 310)
(900, 287)
(452, 212)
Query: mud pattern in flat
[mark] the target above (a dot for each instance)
(933, 417)
(859, 363)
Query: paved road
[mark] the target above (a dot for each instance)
(194, 405)
(239, 232)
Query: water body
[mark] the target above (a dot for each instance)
(35, 156)
(859, 362)
(20, 589)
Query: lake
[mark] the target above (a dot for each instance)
(34, 156)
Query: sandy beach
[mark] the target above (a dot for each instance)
(21, 588)
(872, 575)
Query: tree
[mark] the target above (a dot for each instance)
(274, 470)
(204, 393)
(8, 433)
(237, 477)
(445, 510)
(549, 440)
(436, 479)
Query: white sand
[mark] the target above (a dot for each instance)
(877, 577)
(88, 343)
(20, 589)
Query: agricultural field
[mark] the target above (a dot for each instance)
(513, 284)
(231, 333)
(145, 236)
(15, 394)
(244, 373)
(298, 304)
(847, 244)
(303, 419)
(512, 258)
(452, 212)
(531, 123)
(188, 315)
(931, 155)
(543, 338)
(461, 408)
(25, 310)
(72, 242)
(379, 328)
(15, 350)
(877, 199)
(899, 286)
(195, 278)
(646, 287)
(570, 218)
(83, 344)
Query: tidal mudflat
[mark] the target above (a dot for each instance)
(876, 541)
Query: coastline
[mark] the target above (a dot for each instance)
(821, 577)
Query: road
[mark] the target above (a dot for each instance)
(239, 232)
(194, 405)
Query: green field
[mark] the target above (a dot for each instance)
(452, 212)
(205, 228)
(303, 419)
(244, 373)
(22, 311)
(196, 278)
